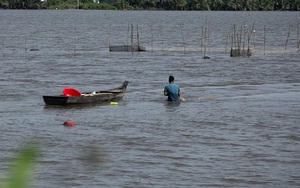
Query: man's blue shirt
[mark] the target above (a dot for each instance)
(173, 91)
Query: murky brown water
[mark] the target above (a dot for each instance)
(239, 126)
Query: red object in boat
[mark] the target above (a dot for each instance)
(69, 123)
(71, 92)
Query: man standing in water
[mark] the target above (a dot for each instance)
(172, 90)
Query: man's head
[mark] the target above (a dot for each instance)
(171, 79)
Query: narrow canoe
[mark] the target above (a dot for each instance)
(88, 97)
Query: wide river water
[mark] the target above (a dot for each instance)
(239, 125)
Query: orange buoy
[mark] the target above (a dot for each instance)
(69, 123)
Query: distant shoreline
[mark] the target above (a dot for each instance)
(184, 5)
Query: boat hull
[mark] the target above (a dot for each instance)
(86, 98)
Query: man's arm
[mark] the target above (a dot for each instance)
(166, 91)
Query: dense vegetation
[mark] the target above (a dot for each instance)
(230, 5)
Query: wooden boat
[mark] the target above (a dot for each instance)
(88, 97)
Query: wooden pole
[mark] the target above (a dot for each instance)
(244, 36)
(287, 39)
(251, 33)
(234, 37)
(151, 37)
(208, 36)
(254, 39)
(232, 34)
(240, 40)
(25, 40)
(75, 41)
(264, 39)
(162, 39)
(238, 44)
(204, 52)
(109, 35)
(25, 43)
(232, 41)
(3, 49)
(249, 37)
(131, 38)
(298, 34)
(205, 37)
(226, 43)
(128, 30)
(202, 36)
(182, 38)
(138, 37)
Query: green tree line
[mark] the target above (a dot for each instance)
(227, 5)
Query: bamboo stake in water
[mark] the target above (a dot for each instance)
(205, 37)
(240, 40)
(298, 34)
(287, 39)
(162, 39)
(182, 39)
(128, 30)
(204, 52)
(131, 38)
(244, 36)
(250, 35)
(254, 31)
(232, 40)
(25, 43)
(264, 39)
(208, 36)
(75, 41)
(226, 43)
(109, 35)
(234, 37)
(3, 49)
(151, 37)
(202, 35)
(138, 38)
(238, 36)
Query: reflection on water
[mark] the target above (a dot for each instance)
(74, 106)
(240, 116)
